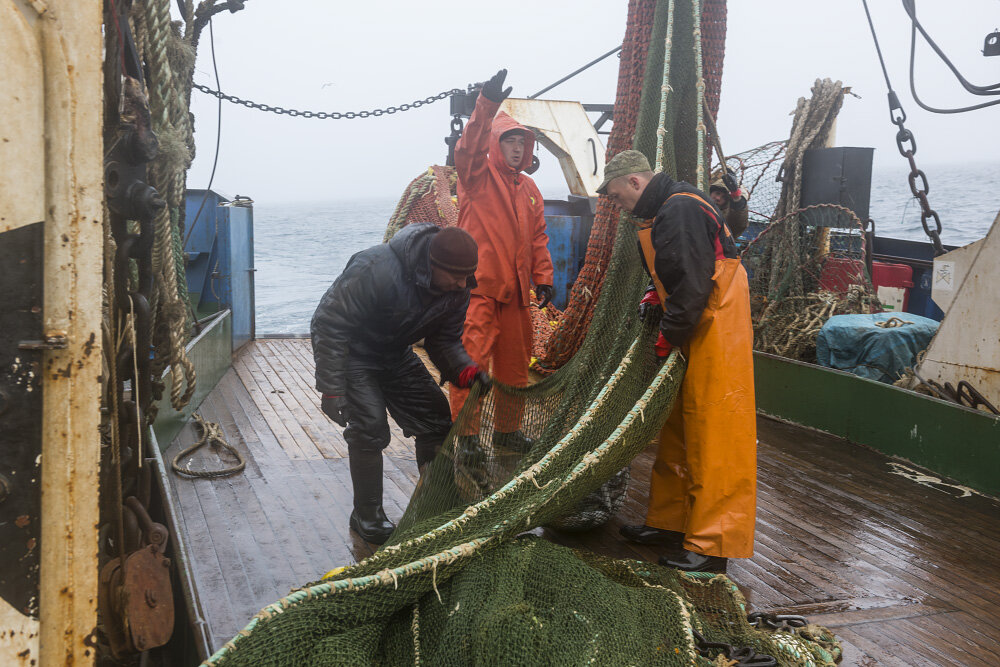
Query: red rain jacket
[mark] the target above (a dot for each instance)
(501, 208)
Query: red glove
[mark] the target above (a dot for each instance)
(472, 374)
(650, 302)
(662, 346)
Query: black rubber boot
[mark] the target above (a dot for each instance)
(689, 561)
(368, 518)
(470, 467)
(515, 441)
(648, 535)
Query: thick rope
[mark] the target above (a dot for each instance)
(811, 128)
(168, 95)
(661, 129)
(211, 433)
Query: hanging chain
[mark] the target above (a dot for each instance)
(324, 115)
(907, 145)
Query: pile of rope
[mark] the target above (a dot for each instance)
(167, 49)
(797, 285)
(789, 327)
(211, 434)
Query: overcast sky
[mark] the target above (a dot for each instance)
(334, 56)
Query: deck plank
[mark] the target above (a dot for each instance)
(304, 402)
(273, 409)
(883, 560)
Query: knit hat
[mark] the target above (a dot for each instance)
(623, 164)
(454, 250)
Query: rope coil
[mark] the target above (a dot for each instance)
(211, 433)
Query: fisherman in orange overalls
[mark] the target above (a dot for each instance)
(702, 491)
(503, 211)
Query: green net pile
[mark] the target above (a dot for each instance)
(459, 582)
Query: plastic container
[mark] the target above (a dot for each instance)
(892, 283)
(840, 273)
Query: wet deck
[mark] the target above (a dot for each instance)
(906, 573)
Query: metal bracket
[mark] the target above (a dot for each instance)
(53, 342)
(991, 46)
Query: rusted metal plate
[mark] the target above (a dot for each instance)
(137, 602)
(20, 416)
(149, 602)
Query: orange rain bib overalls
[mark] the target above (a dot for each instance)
(704, 479)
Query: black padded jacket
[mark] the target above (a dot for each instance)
(687, 238)
(380, 305)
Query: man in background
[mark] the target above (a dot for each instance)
(702, 491)
(389, 297)
(729, 198)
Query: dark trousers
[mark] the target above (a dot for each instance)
(408, 392)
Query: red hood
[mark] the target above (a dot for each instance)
(503, 123)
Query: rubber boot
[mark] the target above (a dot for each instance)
(515, 441)
(368, 518)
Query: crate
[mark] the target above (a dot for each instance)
(892, 283)
(839, 273)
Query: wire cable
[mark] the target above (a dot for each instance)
(911, 10)
(878, 48)
(910, 6)
(574, 73)
(218, 137)
(913, 87)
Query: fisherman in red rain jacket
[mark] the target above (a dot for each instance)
(503, 210)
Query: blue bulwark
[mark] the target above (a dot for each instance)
(218, 249)
(568, 225)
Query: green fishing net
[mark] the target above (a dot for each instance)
(460, 582)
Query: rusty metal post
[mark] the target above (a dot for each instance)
(22, 208)
(72, 51)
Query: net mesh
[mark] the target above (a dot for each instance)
(804, 268)
(459, 582)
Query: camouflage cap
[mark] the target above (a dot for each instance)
(623, 164)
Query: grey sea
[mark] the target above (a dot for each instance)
(300, 248)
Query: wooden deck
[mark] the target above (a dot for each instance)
(905, 572)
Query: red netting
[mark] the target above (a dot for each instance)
(430, 197)
(580, 308)
(576, 318)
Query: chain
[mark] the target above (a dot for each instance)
(737, 657)
(324, 115)
(907, 145)
(777, 622)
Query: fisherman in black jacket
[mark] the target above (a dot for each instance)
(388, 297)
(702, 488)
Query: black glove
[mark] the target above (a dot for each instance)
(484, 379)
(650, 310)
(729, 179)
(544, 294)
(493, 89)
(335, 407)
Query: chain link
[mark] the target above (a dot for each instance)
(325, 115)
(907, 145)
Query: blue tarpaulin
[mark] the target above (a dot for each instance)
(856, 343)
